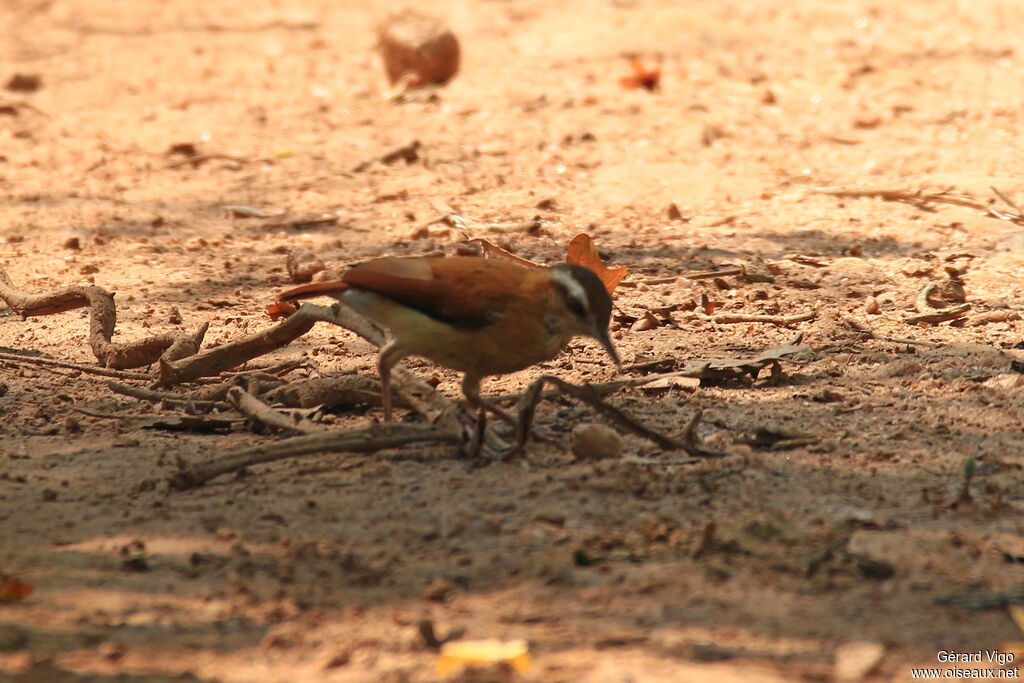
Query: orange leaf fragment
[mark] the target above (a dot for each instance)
(12, 590)
(583, 252)
(281, 309)
(646, 77)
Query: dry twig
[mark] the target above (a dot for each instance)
(531, 397)
(168, 398)
(88, 369)
(728, 318)
(721, 370)
(926, 200)
(233, 354)
(102, 320)
(865, 332)
(930, 314)
(989, 317)
(328, 392)
(367, 440)
(492, 249)
(252, 407)
(709, 274)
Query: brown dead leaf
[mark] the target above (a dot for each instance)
(644, 76)
(281, 309)
(647, 322)
(12, 590)
(583, 252)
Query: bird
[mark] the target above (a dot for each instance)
(480, 316)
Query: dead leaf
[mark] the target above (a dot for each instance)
(647, 322)
(24, 83)
(644, 76)
(12, 590)
(583, 252)
(281, 309)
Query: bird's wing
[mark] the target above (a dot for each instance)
(308, 291)
(465, 291)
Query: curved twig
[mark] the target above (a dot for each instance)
(367, 440)
(102, 320)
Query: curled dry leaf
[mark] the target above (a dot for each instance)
(583, 252)
(12, 590)
(644, 76)
(281, 309)
(647, 322)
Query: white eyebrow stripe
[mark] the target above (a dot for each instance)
(573, 286)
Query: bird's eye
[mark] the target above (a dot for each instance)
(576, 306)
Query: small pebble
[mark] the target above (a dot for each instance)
(596, 442)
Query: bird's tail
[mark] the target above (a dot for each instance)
(285, 306)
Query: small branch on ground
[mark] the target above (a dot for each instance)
(367, 440)
(346, 390)
(175, 423)
(168, 398)
(717, 370)
(278, 369)
(252, 407)
(197, 160)
(230, 355)
(931, 315)
(728, 318)
(989, 317)
(102, 320)
(466, 224)
(531, 397)
(493, 250)
(87, 369)
(869, 334)
(926, 200)
(711, 274)
(255, 382)
(983, 601)
(665, 280)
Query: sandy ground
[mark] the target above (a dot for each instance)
(763, 565)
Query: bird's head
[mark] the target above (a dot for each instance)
(583, 304)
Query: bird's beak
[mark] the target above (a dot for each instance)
(606, 342)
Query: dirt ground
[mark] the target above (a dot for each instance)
(833, 554)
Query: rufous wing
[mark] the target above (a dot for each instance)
(308, 291)
(460, 290)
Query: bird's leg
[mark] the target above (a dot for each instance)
(526, 408)
(389, 356)
(471, 388)
(476, 440)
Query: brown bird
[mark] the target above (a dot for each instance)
(480, 316)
